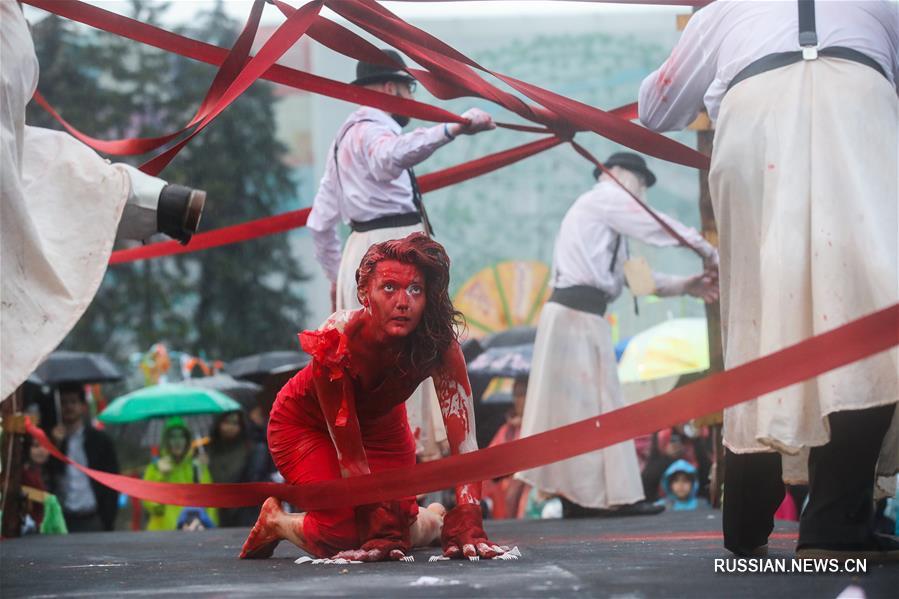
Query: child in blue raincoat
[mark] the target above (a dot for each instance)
(681, 486)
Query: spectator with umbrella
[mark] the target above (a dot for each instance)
(176, 464)
(87, 505)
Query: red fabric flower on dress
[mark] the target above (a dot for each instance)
(329, 351)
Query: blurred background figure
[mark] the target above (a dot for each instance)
(176, 464)
(508, 496)
(681, 486)
(235, 457)
(87, 505)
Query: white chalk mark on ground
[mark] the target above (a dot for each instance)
(432, 581)
(315, 562)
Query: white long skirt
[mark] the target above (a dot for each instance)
(804, 187)
(60, 209)
(422, 405)
(574, 376)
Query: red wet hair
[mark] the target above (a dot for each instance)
(440, 322)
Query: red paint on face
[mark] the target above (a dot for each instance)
(396, 297)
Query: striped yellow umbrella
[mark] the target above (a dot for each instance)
(502, 296)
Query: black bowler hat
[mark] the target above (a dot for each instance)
(367, 73)
(630, 161)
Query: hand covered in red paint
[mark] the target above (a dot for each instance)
(384, 531)
(463, 534)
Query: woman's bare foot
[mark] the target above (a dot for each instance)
(264, 537)
(425, 531)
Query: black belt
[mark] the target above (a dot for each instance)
(582, 298)
(390, 221)
(782, 59)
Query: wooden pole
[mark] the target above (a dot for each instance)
(705, 136)
(11, 454)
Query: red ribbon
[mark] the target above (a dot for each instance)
(640, 2)
(215, 238)
(668, 228)
(282, 40)
(452, 65)
(215, 55)
(346, 42)
(854, 341)
(297, 218)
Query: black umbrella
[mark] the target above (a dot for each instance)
(259, 366)
(75, 367)
(514, 336)
(471, 349)
(509, 361)
(243, 392)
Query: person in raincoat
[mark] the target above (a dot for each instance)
(681, 486)
(176, 464)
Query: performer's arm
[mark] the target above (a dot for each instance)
(671, 97)
(389, 155)
(625, 216)
(323, 220)
(457, 408)
(463, 533)
(703, 286)
(338, 404)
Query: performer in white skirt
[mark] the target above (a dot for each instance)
(804, 187)
(369, 184)
(574, 373)
(63, 207)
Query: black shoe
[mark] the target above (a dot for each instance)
(640, 508)
(179, 211)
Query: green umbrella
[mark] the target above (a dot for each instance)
(166, 400)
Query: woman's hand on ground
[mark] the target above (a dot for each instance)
(376, 550)
(463, 534)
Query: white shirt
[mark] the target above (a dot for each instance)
(586, 242)
(373, 156)
(78, 495)
(725, 37)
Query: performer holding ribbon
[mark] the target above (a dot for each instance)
(573, 373)
(344, 414)
(805, 203)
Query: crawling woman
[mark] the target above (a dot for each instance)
(344, 414)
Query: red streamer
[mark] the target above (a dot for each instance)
(854, 341)
(297, 218)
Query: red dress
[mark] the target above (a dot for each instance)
(302, 448)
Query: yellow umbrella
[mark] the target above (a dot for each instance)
(674, 347)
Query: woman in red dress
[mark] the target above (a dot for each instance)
(344, 414)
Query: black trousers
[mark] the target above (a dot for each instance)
(83, 522)
(840, 506)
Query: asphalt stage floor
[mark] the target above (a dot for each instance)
(668, 555)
